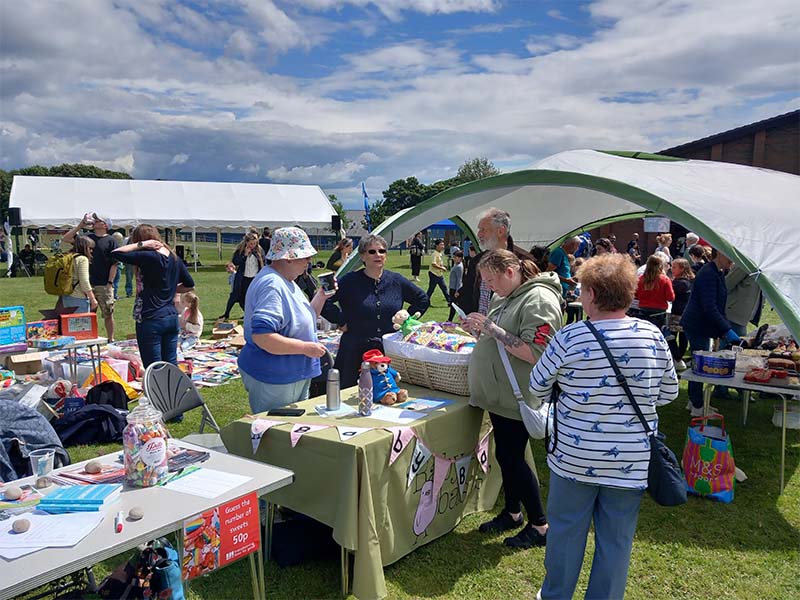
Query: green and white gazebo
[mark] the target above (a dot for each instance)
(750, 214)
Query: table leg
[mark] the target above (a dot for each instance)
(745, 405)
(345, 572)
(261, 568)
(96, 372)
(783, 439)
(254, 578)
(707, 391)
(268, 525)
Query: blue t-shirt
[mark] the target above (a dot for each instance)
(276, 305)
(560, 260)
(160, 278)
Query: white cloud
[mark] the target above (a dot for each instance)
(179, 159)
(126, 164)
(392, 9)
(316, 174)
(642, 78)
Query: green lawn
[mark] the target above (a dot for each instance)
(748, 549)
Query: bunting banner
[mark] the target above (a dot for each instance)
(401, 436)
(347, 432)
(258, 428)
(482, 452)
(299, 430)
(441, 467)
(418, 460)
(462, 473)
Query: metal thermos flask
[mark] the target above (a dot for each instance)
(333, 398)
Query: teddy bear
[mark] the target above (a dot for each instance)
(384, 379)
(402, 321)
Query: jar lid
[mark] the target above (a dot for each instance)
(144, 412)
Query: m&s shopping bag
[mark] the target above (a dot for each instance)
(708, 459)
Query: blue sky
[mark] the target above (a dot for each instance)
(335, 92)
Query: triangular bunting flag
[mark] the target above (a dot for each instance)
(258, 428)
(299, 430)
(441, 467)
(482, 452)
(462, 473)
(418, 460)
(347, 432)
(401, 436)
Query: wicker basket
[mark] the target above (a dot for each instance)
(447, 378)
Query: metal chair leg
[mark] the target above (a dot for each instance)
(345, 572)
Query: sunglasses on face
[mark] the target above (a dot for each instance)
(376, 251)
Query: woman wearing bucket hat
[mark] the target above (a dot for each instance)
(367, 300)
(281, 354)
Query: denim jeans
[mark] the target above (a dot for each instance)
(158, 340)
(266, 396)
(571, 508)
(696, 344)
(81, 304)
(129, 280)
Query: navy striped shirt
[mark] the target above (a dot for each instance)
(600, 439)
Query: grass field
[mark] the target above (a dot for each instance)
(748, 549)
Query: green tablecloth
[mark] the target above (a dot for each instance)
(351, 487)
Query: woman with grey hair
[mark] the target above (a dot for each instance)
(365, 303)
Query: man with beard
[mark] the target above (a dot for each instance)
(494, 232)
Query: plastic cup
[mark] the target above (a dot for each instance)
(42, 462)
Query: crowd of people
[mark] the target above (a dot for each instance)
(648, 315)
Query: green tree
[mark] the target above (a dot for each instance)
(476, 168)
(337, 206)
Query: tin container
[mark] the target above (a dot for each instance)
(714, 364)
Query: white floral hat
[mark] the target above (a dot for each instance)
(289, 243)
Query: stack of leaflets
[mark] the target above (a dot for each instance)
(84, 498)
(29, 499)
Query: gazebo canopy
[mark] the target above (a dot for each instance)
(750, 214)
(62, 201)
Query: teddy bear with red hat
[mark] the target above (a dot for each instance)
(384, 379)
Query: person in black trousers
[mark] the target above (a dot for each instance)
(416, 250)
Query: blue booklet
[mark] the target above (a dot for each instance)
(82, 495)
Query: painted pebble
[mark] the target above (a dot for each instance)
(13, 492)
(93, 466)
(136, 513)
(21, 525)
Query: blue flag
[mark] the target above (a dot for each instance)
(366, 207)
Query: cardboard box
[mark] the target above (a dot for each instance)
(82, 326)
(42, 330)
(26, 364)
(237, 341)
(12, 325)
(223, 329)
(56, 342)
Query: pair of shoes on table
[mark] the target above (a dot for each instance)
(502, 522)
(698, 412)
(527, 538)
(680, 365)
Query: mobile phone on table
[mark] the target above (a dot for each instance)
(286, 412)
(327, 282)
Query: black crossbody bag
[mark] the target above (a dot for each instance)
(665, 482)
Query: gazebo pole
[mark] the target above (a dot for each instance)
(194, 246)
(219, 243)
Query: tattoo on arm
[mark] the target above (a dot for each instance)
(507, 339)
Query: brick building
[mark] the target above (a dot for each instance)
(773, 143)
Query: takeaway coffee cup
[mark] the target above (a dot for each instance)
(328, 282)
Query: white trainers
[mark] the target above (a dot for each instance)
(698, 412)
(680, 365)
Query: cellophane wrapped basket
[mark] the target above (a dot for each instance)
(427, 367)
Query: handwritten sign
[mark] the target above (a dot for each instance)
(221, 535)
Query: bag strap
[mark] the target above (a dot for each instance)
(620, 377)
(507, 364)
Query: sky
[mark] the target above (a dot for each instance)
(336, 92)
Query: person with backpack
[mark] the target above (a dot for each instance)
(79, 292)
(103, 268)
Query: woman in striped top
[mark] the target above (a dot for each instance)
(599, 463)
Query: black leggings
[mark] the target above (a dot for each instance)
(519, 484)
(678, 346)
